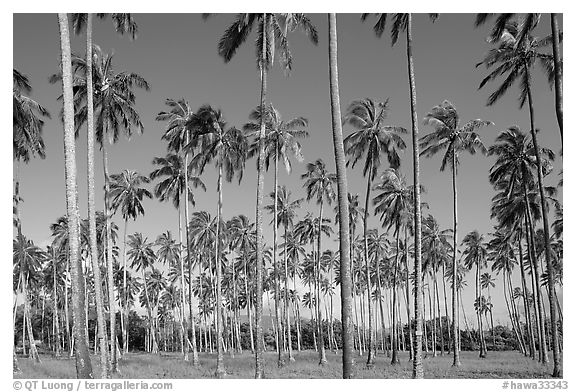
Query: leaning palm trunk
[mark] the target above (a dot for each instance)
(259, 366)
(417, 370)
(527, 315)
(91, 208)
(83, 364)
(557, 72)
(514, 328)
(557, 372)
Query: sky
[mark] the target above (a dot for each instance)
(177, 55)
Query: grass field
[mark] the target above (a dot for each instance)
(140, 365)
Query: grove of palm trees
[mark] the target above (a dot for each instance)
(287, 195)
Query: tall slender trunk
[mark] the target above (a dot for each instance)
(446, 306)
(342, 183)
(407, 288)
(370, 360)
(55, 311)
(439, 315)
(286, 299)
(432, 312)
(92, 208)
(26, 319)
(557, 372)
(514, 328)
(394, 327)
(455, 326)
(321, 348)
(126, 309)
(479, 311)
(417, 369)
(66, 305)
(183, 326)
(220, 370)
(83, 364)
(557, 73)
(113, 358)
(279, 342)
(527, 315)
(248, 303)
(259, 367)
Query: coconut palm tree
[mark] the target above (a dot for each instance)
(453, 137)
(373, 138)
(142, 257)
(123, 24)
(319, 184)
(127, 194)
(475, 255)
(403, 23)
(243, 238)
(281, 142)
(271, 36)
(113, 104)
(83, 363)
(27, 260)
(514, 57)
(176, 181)
(227, 146)
(285, 212)
(392, 202)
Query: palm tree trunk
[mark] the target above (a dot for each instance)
(409, 320)
(557, 372)
(323, 359)
(345, 254)
(91, 207)
(66, 306)
(431, 310)
(394, 327)
(259, 367)
(220, 371)
(527, 315)
(195, 361)
(286, 290)
(183, 326)
(55, 312)
(26, 319)
(370, 360)
(417, 370)
(83, 364)
(446, 306)
(542, 346)
(439, 315)
(126, 294)
(504, 287)
(557, 72)
(248, 302)
(455, 326)
(479, 311)
(279, 342)
(113, 359)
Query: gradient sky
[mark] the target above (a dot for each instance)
(177, 55)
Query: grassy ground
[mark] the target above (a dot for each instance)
(169, 365)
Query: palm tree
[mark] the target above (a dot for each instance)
(142, 257)
(125, 193)
(113, 104)
(486, 282)
(123, 23)
(403, 23)
(393, 203)
(228, 147)
(515, 56)
(176, 181)
(319, 184)
(475, 255)
(27, 260)
(281, 141)
(272, 31)
(373, 138)
(284, 211)
(83, 363)
(455, 138)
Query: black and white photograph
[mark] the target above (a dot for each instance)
(315, 195)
